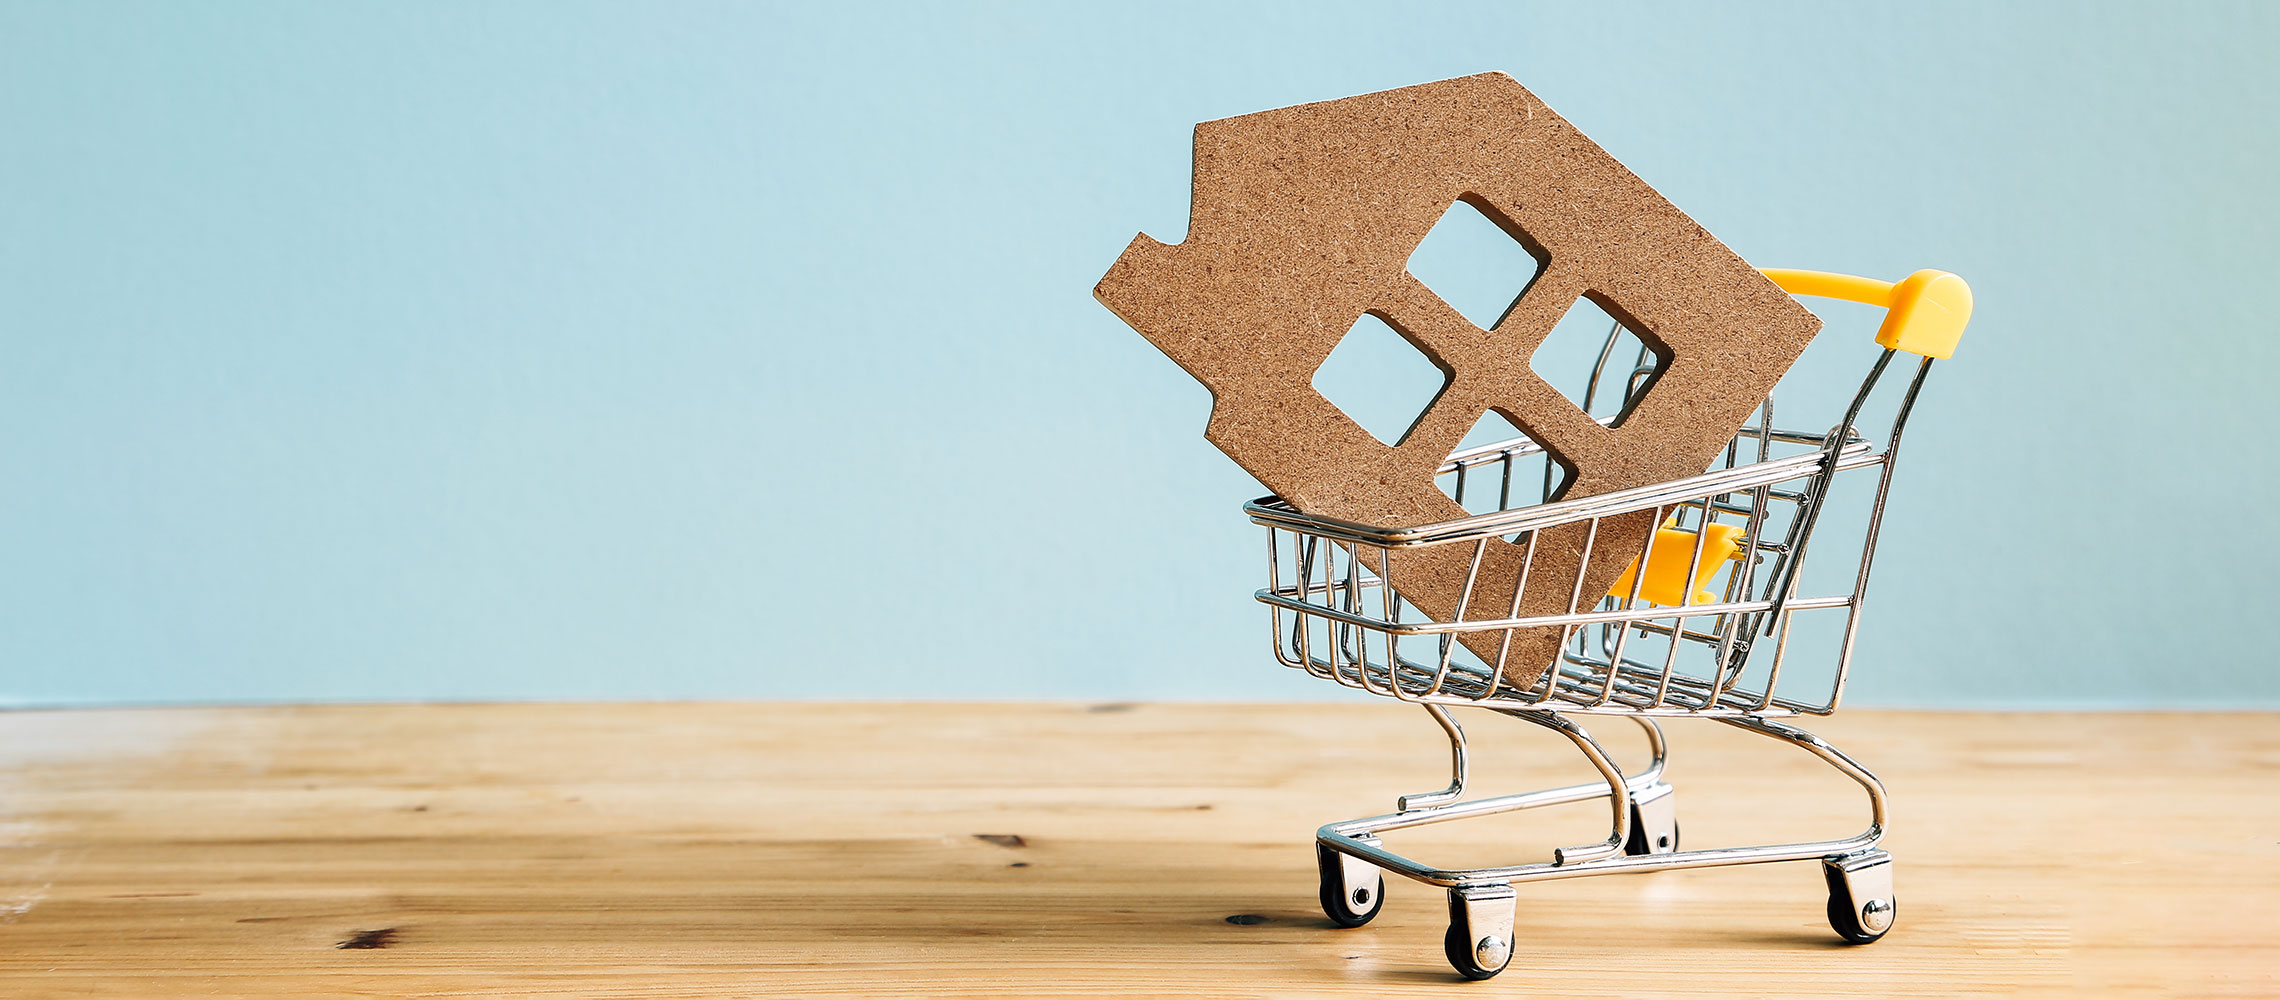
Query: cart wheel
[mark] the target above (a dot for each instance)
(1862, 905)
(1348, 901)
(1476, 947)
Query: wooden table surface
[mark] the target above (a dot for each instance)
(719, 850)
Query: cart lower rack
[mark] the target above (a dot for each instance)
(1669, 641)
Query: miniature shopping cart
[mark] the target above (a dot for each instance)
(1703, 632)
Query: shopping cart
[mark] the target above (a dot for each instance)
(1668, 642)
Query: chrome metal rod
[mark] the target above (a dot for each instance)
(1618, 802)
(1457, 766)
(1540, 872)
(1357, 837)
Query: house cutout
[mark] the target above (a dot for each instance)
(1304, 219)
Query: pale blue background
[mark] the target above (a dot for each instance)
(660, 350)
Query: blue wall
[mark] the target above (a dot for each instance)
(550, 350)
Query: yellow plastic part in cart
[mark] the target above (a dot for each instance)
(1666, 565)
(1925, 311)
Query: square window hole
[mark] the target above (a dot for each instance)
(1598, 362)
(1498, 469)
(1380, 380)
(1476, 265)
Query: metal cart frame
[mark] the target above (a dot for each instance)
(1334, 598)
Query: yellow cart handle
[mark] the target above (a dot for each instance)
(1925, 311)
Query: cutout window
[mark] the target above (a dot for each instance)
(1497, 472)
(1380, 380)
(1603, 379)
(1478, 267)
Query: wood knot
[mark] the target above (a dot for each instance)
(369, 939)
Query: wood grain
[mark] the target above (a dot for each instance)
(729, 850)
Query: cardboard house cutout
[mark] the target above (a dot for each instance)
(1303, 221)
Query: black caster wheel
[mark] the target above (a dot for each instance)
(1465, 957)
(1862, 906)
(1349, 898)
(1475, 951)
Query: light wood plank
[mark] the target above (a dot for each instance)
(716, 850)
